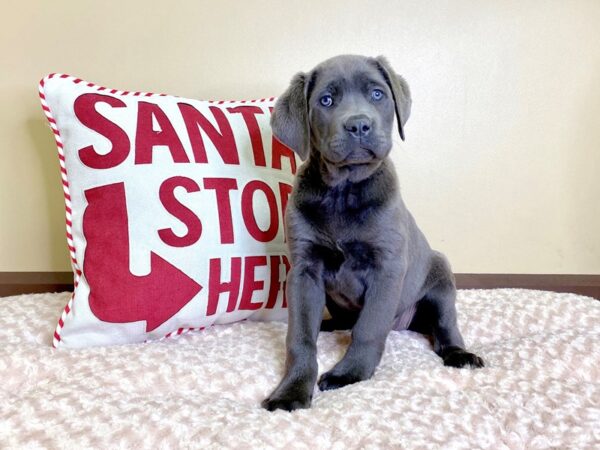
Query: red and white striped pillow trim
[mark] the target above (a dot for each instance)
(65, 182)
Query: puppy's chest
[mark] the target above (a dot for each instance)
(345, 243)
(341, 208)
(343, 222)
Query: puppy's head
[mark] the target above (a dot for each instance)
(342, 112)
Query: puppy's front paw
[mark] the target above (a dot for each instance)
(458, 357)
(288, 400)
(330, 380)
(287, 404)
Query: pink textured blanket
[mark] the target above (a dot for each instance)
(540, 387)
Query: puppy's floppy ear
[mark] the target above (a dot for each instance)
(289, 119)
(400, 91)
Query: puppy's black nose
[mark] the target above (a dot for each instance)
(358, 126)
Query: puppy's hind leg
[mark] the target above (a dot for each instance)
(436, 313)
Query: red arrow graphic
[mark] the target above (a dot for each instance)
(116, 295)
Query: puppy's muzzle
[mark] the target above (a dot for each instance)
(358, 126)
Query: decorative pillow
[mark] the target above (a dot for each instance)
(174, 211)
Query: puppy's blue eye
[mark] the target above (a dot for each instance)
(377, 94)
(326, 101)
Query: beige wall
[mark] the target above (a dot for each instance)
(502, 159)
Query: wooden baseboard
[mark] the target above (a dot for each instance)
(15, 283)
(588, 285)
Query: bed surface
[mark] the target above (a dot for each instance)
(540, 388)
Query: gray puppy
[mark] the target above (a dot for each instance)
(354, 246)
